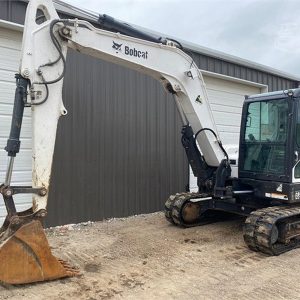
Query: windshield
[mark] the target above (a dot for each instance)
(265, 136)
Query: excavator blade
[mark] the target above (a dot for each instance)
(25, 257)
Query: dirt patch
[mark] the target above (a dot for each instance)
(145, 257)
(92, 268)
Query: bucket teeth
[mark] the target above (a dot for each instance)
(25, 257)
(72, 271)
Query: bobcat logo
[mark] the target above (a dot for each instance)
(117, 46)
(129, 51)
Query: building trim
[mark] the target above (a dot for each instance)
(263, 87)
(11, 25)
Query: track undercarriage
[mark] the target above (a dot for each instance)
(271, 230)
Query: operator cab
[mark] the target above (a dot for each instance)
(270, 145)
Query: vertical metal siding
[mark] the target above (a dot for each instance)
(13, 10)
(118, 150)
(234, 70)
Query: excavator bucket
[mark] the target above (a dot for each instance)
(25, 257)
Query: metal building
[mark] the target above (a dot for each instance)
(118, 151)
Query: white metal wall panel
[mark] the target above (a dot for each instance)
(10, 45)
(226, 98)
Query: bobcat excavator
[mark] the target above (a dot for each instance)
(263, 183)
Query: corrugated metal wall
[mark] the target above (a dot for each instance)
(118, 151)
(13, 10)
(216, 65)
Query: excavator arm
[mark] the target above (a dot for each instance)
(39, 86)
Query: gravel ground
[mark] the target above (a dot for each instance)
(144, 257)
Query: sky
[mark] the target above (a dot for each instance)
(263, 31)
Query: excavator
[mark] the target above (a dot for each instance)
(261, 183)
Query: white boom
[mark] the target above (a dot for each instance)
(172, 67)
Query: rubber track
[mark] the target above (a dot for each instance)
(258, 228)
(174, 205)
(169, 206)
